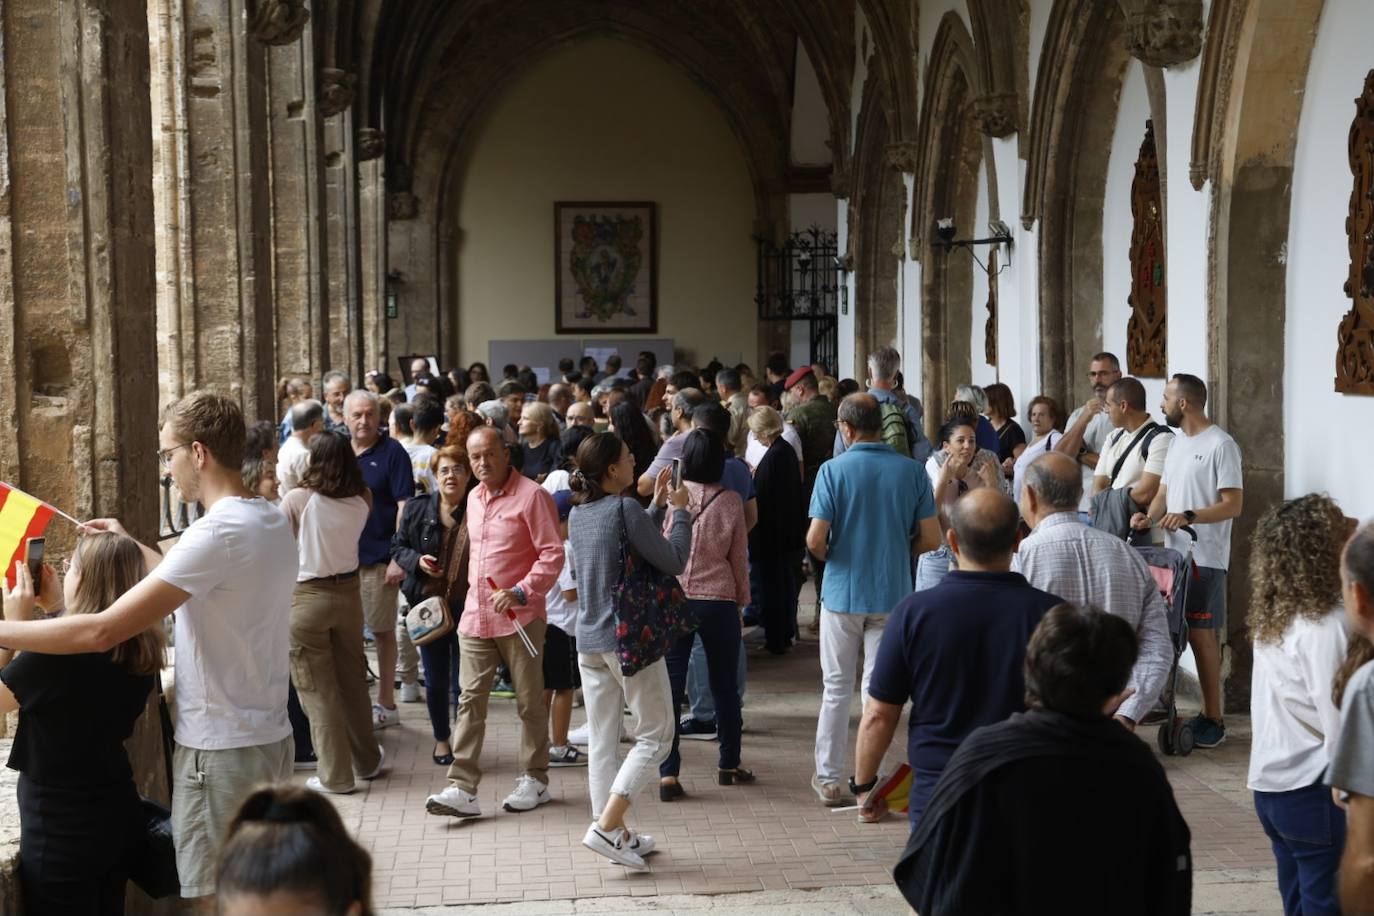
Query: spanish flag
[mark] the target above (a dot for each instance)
(21, 517)
(896, 789)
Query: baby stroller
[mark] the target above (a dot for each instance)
(1173, 572)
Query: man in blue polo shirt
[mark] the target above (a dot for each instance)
(871, 510)
(956, 650)
(387, 470)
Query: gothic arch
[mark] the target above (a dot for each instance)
(894, 58)
(1000, 41)
(951, 149)
(1077, 86)
(1250, 151)
(876, 210)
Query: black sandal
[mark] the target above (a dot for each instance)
(443, 760)
(671, 791)
(730, 777)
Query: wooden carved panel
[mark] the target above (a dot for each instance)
(1147, 330)
(1355, 339)
(990, 326)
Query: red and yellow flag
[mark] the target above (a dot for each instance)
(896, 789)
(21, 517)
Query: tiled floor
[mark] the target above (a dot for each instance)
(767, 837)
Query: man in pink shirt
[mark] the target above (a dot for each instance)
(515, 554)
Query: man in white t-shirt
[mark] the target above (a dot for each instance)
(1090, 424)
(307, 420)
(1134, 453)
(1201, 488)
(427, 419)
(230, 578)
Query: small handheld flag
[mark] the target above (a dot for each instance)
(21, 517)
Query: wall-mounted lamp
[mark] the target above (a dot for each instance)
(394, 278)
(1000, 234)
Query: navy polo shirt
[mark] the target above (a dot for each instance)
(387, 471)
(956, 652)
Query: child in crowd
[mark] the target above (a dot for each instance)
(260, 477)
(560, 650)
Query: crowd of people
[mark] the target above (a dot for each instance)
(493, 538)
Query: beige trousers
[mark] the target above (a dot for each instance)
(328, 669)
(478, 660)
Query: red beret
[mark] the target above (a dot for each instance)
(796, 376)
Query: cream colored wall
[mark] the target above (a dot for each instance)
(605, 120)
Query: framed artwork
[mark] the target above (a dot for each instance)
(605, 268)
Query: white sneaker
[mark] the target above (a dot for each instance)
(578, 736)
(529, 793)
(642, 844)
(612, 845)
(381, 764)
(453, 802)
(383, 717)
(314, 785)
(410, 693)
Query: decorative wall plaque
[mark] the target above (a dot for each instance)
(1355, 339)
(990, 326)
(1147, 331)
(605, 268)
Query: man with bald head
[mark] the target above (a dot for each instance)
(1090, 566)
(956, 651)
(388, 473)
(560, 399)
(515, 554)
(871, 511)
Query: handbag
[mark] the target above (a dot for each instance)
(155, 869)
(429, 620)
(649, 607)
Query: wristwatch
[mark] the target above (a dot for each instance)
(1189, 514)
(519, 595)
(856, 789)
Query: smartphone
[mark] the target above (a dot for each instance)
(677, 473)
(33, 555)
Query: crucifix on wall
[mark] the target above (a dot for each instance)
(1147, 330)
(1355, 338)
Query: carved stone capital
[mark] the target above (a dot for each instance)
(277, 22)
(401, 205)
(336, 91)
(902, 156)
(1163, 33)
(898, 249)
(370, 144)
(995, 114)
(841, 185)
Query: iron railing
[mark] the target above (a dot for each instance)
(800, 280)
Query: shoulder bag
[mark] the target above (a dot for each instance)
(154, 870)
(649, 606)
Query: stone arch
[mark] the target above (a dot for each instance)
(1248, 147)
(876, 245)
(1068, 146)
(951, 150)
(894, 59)
(1001, 31)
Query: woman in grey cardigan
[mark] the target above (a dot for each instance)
(600, 518)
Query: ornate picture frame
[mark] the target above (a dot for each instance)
(605, 267)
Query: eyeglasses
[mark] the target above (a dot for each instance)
(451, 470)
(164, 456)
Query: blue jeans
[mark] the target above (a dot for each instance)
(1307, 832)
(699, 682)
(931, 567)
(720, 634)
(440, 659)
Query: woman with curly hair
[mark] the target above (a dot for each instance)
(1300, 643)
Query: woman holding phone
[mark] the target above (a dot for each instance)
(431, 545)
(79, 814)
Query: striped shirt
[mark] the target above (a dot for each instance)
(1085, 565)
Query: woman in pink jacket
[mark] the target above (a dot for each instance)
(716, 582)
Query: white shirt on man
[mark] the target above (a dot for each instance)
(1197, 468)
(238, 564)
(420, 454)
(292, 459)
(1094, 438)
(1134, 466)
(563, 613)
(1294, 721)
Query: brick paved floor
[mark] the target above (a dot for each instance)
(768, 837)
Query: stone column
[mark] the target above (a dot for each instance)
(300, 285)
(341, 222)
(373, 262)
(216, 214)
(77, 325)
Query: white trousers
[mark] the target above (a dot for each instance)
(605, 691)
(844, 638)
